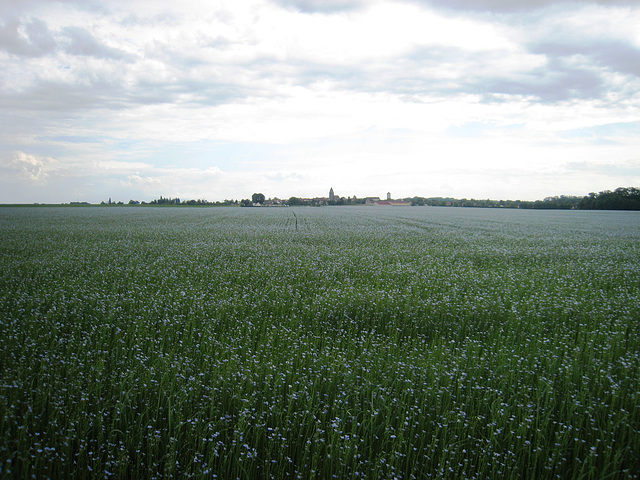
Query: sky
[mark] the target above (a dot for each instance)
(200, 99)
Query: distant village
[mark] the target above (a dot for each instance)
(332, 199)
(622, 198)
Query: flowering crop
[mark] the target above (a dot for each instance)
(343, 343)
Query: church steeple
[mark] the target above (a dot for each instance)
(332, 196)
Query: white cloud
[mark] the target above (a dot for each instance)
(137, 180)
(123, 168)
(30, 168)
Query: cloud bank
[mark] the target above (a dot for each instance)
(491, 98)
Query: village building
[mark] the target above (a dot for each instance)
(274, 202)
(394, 203)
(388, 202)
(332, 198)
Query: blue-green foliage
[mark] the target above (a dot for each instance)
(347, 343)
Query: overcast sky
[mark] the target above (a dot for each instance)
(500, 99)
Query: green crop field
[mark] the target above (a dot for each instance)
(355, 342)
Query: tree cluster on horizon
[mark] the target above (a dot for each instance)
(170, 202)
(620, 199)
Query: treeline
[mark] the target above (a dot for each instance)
(560, 202)
(177, 201)
(620, 199)
(623, 198)
(174, 201)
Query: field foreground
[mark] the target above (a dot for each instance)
(319, 343)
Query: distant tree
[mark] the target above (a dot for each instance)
(245, 202)
(295, 201)
(133, 202)
(257, 198)
(166, 201)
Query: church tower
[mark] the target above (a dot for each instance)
(332, 196)
(388, 196)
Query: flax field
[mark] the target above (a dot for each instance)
(332, 342)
